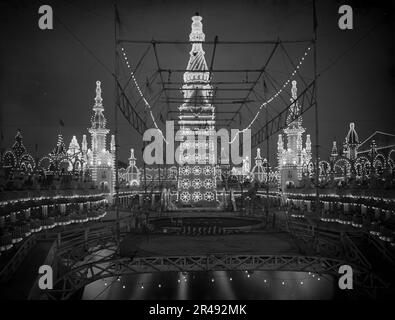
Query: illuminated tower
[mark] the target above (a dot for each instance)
(292, 158)
(197, 157)
(100, 160)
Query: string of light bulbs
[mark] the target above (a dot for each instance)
(265, 103)
(142, 95)
(266, 280)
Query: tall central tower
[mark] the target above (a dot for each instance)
(197, 157)
(100, 161)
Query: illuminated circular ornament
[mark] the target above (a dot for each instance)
(185, 196)
(185, 170)
(186, 184)
(208, 184)
(197, 196)
(208, 170)
(197, 183)
(209, 196)
(197, 170)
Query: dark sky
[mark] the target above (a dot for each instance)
(47, 75)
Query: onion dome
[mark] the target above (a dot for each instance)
(352, 136)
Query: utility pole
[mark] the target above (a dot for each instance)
(317, 169)
(267, 154)
(117, 102)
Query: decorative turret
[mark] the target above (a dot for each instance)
(258, 158)
(74, 147)
(373, 149)
(18, 148)
(280, 143)
(60, 148)
(132, 158)
(246, 166)
(352, 136)
(132, 174)
(351, 143)
(334, 152)
(257, 171)
(308, 144)
(112, 144)
(84, 144)
(294, 119)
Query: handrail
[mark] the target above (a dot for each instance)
(18, 258)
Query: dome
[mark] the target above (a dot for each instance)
(352, 136)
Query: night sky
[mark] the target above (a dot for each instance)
(47, 75)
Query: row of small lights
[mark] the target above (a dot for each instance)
(53, 205)
(283, 282)
(334, 195)
(52, 198)
(141, 94)
(274, 96)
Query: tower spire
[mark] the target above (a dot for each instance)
(197, 61)
(98, 99)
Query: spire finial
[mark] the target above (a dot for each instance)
(98, 98)
(197, 29)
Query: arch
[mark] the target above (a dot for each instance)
(342, 167)
(379, 163)
(362, 166)
(44, 163)
(325, 167)
(104, 186)
(9, 159)
(65, 164)
(28, 162)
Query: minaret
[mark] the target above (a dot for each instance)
(197, 120)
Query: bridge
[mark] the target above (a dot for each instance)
(80, 256)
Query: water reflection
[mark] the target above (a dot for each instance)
(214, 286)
